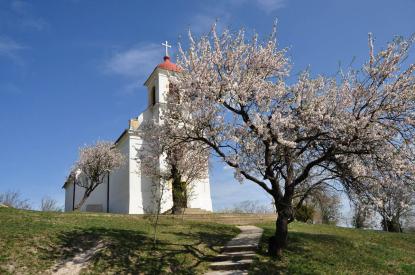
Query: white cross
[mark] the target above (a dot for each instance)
(167, 47)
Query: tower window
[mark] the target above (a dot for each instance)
(153, 96)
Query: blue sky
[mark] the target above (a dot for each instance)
(71, 71)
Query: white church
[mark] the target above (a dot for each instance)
(126, 190)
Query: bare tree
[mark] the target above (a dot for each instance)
(13, 199)
(362, 215)
(235, 99)
(328, 204)
(321, 197)
(49, 204)
(159, 197)
(95, 162)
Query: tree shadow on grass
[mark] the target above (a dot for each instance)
(212, 240)
(132, 252)
(299, 243)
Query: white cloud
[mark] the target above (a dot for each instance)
(9, 89)
(135, 62)
(20, 7)
(202, 23)
(24, 16)
(33, 23)
(10, 48)
(264, 5)
(221, 13)
(270, 5)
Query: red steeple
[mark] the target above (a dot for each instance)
(168, 65)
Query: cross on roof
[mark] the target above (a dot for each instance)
(167, 47)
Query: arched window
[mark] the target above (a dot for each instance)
(153, 96)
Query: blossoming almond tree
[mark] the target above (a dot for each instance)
(167, 160)
(95, 162)
(234, 98)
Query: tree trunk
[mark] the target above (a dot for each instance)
(391, 225)
(179, 192)
(284, 207)
(179, 197)
(78, 206)
(279, 241)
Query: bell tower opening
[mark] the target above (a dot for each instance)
(153, 96)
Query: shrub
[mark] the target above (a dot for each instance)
(304, 213)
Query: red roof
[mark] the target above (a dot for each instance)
(167, 65)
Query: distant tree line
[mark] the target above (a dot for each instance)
(14, 199)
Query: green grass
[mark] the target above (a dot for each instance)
(324, 249)
(32, 242)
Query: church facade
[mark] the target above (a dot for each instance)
(127, 190)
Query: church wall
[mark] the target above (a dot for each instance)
(200, 195)
(167, 201)
(96, 202)
(136, 178)
(68, 197)
(163, 88)
(163, 85)
(142, 190)
(140, 200)
(119, 193)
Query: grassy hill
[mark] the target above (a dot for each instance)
(31, 242)
(325, 249)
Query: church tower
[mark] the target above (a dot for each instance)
(157, 91)
(158, 85)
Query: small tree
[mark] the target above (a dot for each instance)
(362, 212)
(95, 162)
(159, 189)
(49, 204)
(13, 199)
(183, 163)
(328, 204)
(305, 213)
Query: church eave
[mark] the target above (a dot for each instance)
(151, 75)
(167, 71)
(121, 136)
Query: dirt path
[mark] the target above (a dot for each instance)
(74, 265)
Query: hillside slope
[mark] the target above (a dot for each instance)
(325, 249)
(32, 242)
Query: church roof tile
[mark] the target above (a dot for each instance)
(168, 65)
